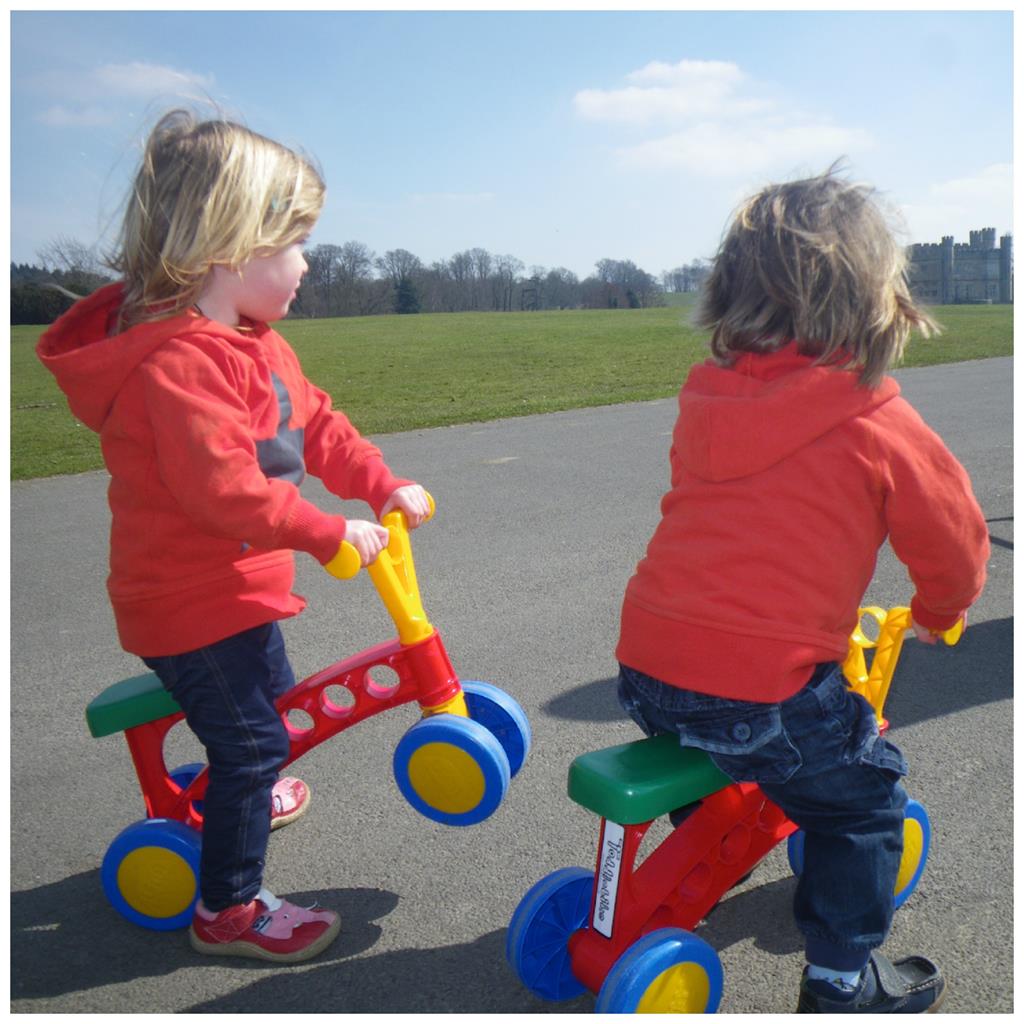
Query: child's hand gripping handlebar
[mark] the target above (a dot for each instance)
(393, 574)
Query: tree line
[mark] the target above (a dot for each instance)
(352, 280)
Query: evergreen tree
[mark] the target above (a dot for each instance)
(406, 298)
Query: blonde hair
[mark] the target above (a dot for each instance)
(812, 261)
(207, 193)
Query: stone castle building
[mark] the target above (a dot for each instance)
(945, 274)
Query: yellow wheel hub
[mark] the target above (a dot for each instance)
(446, 778)
(682, 988)
(913, 847)
(156, 882)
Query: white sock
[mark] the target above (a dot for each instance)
(845, 981)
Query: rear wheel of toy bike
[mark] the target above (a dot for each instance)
(668, 971)
(151, 873)
(538, 934)
(451, 769)
(917, 833)
(502, 716)
(185, 775)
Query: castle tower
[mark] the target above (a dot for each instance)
(946, 287)
(1006, 268)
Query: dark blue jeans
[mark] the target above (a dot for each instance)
(227, 691)
(819, 756)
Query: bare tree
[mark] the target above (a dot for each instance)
(76, 268)
(356, 261)
(71, 256)
(321, 280)
(506, 273)
(398, 264)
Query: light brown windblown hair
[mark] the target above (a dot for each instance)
(206, 193)
(812, 261)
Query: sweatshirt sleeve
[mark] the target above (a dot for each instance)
(207, 460)
(348, 464)
(936, 526)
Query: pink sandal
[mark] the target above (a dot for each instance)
(289, 800)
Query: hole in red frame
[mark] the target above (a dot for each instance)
(299, 722)
(382, 681)
(337, 701)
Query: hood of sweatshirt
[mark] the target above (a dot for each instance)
(91, 361)
(739, 420)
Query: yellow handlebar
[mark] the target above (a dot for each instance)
(952, 635)
(893, 624)
(393, 574)
(347, 563)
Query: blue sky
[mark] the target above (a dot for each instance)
(559, 138)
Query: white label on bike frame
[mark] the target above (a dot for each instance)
(608, 869)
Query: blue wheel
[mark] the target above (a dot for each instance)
(451, 769)
(917, 835)
(184, 775)
(668, 971)
(538, 934)
(795, 852)
(151, 873)
(502, 716)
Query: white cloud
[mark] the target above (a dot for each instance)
(673, 93)
(140, 79)
(711, 119)
(90, 116)
(961, 205)
(747, 148)
(95, 97)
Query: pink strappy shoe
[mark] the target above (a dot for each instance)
(267, 928)
(289, 800)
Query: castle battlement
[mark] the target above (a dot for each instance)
(948, 272)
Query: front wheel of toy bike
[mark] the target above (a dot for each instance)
(151, 873)
(917, 837)
(667, 971)
(502, 716)
(917, 834)
(537, 945)
(451, 769)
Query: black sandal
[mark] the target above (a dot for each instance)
(911, 985)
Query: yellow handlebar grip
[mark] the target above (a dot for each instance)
(952, 635)
(397, 516)
(346, 563)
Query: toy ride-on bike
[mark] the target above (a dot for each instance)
(625, 931)
(453, 765)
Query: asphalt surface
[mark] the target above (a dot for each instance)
(540, 523)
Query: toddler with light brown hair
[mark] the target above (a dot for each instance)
(793, 459)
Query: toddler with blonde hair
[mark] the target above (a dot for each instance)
(208, 427)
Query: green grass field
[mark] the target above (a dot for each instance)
(395, 373)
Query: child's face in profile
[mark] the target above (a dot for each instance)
(261, 289)
(267, 284)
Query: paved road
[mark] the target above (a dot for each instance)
(540, 523)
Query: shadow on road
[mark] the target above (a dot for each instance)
(66, 937)
(929, 681)
(471, 977)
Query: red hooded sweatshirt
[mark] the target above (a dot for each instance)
(786, 478)
(207, 432)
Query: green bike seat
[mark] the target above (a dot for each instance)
(639, 781)
(129, 703)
